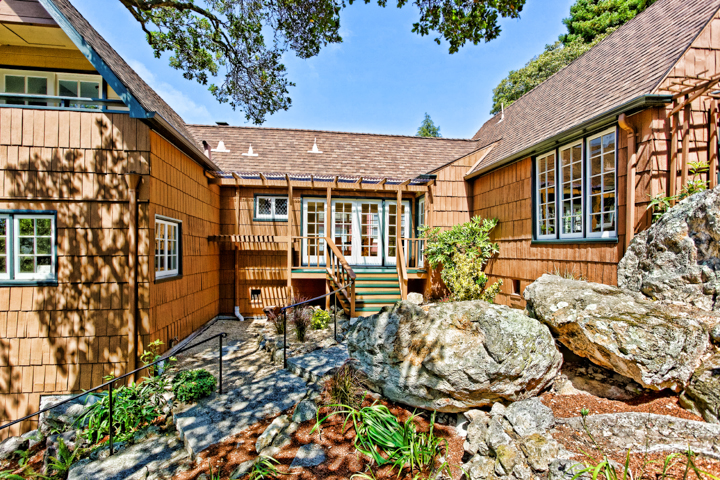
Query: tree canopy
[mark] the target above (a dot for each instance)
(236, 46)
(590, 21)
(428, 128)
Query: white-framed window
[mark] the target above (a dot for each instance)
(420, 223)
(167, 247)
(545, 181)
(571, 175)
(28, 248)
(602, 168)
(576, 189)
(271, 208)
(19, 82)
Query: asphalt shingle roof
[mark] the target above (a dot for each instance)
(358, 154)
(630, 63)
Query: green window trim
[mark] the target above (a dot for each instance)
(270, 208)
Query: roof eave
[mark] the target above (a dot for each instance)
(595, 123)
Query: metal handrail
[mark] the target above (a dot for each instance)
(110, 384)
(284, 310)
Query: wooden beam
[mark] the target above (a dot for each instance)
(245, 182)
(630, 179)
(328, 234)
(289, 235)
(237, 210)
(685, 144)
(264, 180)
(335, 182)
(713, 145)
(405, 183)
(672, 180)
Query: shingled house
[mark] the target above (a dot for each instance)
(121, 224)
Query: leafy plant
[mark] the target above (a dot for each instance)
(380, 436)
(9, 475)
(65, 458)
(264, 467)
(134, 406)
(191, 385)
(463, 251)
(151, 354)
(320, 319)
(660, 203)
(346, 386)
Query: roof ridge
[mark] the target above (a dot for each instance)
(217, 127)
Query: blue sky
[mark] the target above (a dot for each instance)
(381, 79)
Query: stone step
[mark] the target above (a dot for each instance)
(131, 463)
(217, 417)
(314, 366)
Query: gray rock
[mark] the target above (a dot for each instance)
(522, 472)
(64, 417)
(477, 433)
(564, 469)
(657, 345)
(507, 458)
(496, 435)
(305, 410)
(480, 467)
(529, 416)
(266, 438)
(416, 298)
(715, 334)
(703, 392)
(242, 470)
(309, 455)
(456, 356)
(132, 463)
(34, 437)
(498, 409)
(678, 258)
(10, 445)
(539, 450)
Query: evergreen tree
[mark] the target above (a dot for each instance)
(428, 128)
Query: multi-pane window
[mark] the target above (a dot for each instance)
(271, 208)
(421, 222)
(26, 85)
(167, 247)
(601, 165)
(584, 176)
(315, 229)
(343, 231)
(27, 247)
(79, 88)
(571, 168)
(546, 196)
(392, 227)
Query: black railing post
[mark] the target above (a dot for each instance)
(112, 447)
(220, 355)
(335, 297)
(285, 339)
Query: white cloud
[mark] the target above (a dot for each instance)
(190, 111)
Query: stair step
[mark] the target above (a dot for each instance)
(365, 292)
(386, 298)
(376, 301)
(376, 279)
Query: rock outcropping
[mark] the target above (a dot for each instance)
(678, 258)
(658, 345)
(455, 357)
(702, 394)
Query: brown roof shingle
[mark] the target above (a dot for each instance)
(357, 154)
(630, 63)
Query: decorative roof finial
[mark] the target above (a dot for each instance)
(314, 148)
(250, 152)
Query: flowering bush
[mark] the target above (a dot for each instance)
(463, 251)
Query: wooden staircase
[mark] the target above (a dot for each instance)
(374, 288)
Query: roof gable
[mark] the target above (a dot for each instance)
(628, 64)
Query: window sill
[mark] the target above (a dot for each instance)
(168, 278)
(569, 241)
(270, 220)
(28, 283)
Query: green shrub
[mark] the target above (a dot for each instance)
(320, 319)
(463, 251)
(660, 203)
(192, 385)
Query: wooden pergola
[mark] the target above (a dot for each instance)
(419, 185)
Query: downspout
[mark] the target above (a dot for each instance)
(631, 167)
(133, 181)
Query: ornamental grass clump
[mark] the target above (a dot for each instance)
(380, 436)
(300, 317)
(346, 386)
(192, 385)
(464, 251)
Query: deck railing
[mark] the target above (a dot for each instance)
(340, 272)
(310, 252)
(414, 251)
(54, 102)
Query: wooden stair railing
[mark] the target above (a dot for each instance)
(341, 273)
(401, 269)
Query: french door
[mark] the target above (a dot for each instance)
(356, 230)
(391, 230)
(313, 243)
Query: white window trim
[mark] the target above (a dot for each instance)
(16, 249)
(8, 247)
(272, 215)
(421, 221)
(549, 236)
(306, 258)
(609, 233)
(559, 191)
(167, 221)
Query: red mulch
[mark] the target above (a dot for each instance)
(342, 460)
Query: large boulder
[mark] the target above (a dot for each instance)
(702, 394)
(656, 344)
(456, 356)
(678, 258)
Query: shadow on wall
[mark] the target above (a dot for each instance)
(67, 337)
